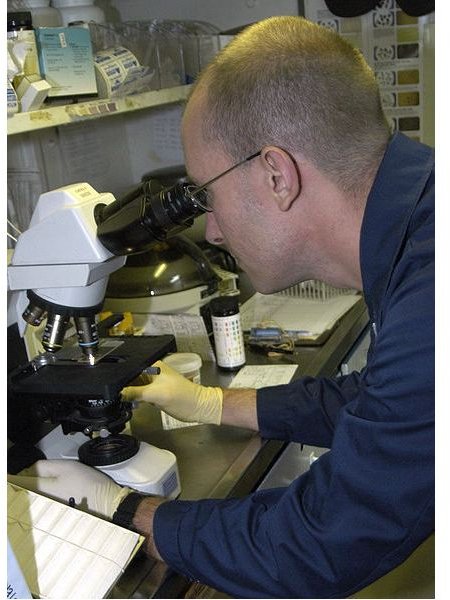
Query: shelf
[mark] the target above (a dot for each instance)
(94, 109)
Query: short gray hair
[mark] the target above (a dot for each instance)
(289, 82)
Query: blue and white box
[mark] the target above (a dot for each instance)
(66, 60)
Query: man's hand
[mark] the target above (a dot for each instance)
(179, 397)
(92, 490)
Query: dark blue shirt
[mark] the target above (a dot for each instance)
(365, 505)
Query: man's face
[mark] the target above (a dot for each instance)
(270, 242)
(239, 221)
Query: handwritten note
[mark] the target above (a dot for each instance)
(259, 376)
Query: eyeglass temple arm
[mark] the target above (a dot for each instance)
(202, 187)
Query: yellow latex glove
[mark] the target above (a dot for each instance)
(62, 479)
(178, 396)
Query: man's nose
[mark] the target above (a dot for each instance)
(213, 234)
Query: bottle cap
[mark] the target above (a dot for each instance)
(224, 305)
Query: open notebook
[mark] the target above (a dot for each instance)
(64, 552)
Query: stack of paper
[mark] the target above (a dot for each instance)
(64, 552)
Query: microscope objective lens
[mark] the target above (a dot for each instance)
(54, 332)
(87, 336)
(34, 314)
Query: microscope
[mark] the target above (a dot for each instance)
(59, 272)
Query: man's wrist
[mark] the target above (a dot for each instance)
(143, 522)
(240, 408)
(136, 512)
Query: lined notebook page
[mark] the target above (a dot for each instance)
(64, 552)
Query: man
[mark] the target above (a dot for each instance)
(319, 190)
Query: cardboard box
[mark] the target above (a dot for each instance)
(32, 92)
(66, 61)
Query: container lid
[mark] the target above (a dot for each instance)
(70, 3)
(183, 362)
(224, 305)
(37, 3)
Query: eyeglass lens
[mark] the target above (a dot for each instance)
(199, 197)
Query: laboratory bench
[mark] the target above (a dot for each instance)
(226, 461)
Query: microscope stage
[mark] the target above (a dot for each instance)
(67, 374)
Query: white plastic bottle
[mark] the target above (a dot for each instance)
(78, 10)
(42, 14)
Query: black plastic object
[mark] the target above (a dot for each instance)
(108, 450)
(350, 8)
(355, 8)
(416, 8)
(21, 456)
(18, 21)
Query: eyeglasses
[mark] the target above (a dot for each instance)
(199, 194)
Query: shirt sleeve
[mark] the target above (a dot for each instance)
(305, 410)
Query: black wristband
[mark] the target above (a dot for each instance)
(127, 509)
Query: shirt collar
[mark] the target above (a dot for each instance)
(397, 188)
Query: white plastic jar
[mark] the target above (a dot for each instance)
(42, 14)
(186, 363)
(78, 10)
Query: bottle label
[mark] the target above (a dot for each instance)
(229, 341)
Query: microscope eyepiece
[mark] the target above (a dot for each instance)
(146, 215)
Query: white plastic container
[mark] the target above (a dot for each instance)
(187, 364)
(78, 10)
(42, 14)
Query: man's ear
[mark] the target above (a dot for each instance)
(282, 176)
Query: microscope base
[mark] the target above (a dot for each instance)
(151, 471)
